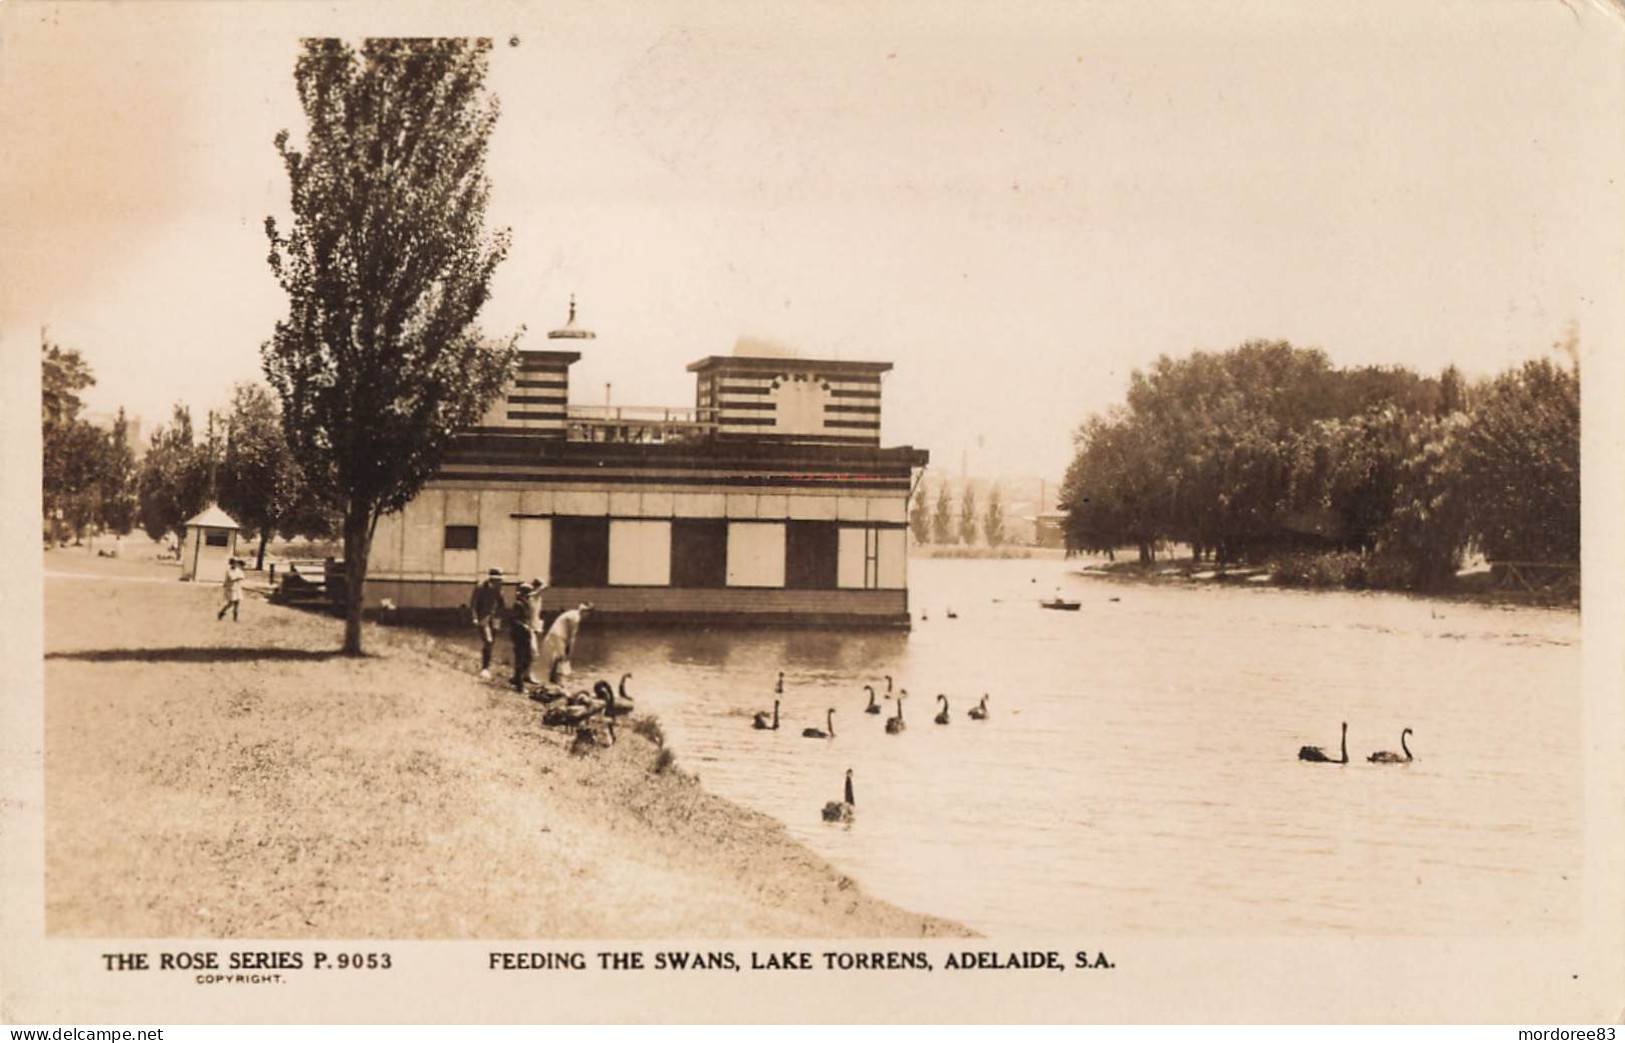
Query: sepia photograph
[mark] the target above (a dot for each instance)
(812, 513)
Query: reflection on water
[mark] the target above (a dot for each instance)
(1138, 771)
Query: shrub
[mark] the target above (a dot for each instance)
(1345, 569)
(649, 728)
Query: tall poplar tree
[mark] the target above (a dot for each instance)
(386, 267)
(942, 517)
(993, 526)
(967, 516)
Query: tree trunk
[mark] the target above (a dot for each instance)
(357, 544)
(1145, 554)
(259, 562)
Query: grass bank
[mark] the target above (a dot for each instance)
(211, 779)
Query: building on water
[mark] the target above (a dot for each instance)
(770, 500)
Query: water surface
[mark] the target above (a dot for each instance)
(1138, 771)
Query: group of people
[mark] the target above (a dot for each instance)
(487, 608)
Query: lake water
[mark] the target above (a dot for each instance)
(1138, 771)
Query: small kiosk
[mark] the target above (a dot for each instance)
(211, 539)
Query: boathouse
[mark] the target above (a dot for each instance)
(770, 500)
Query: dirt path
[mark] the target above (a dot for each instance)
(210, 779)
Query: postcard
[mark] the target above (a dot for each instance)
(694, 512)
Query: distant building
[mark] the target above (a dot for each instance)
(769, 500)
(1049, 529)
(132, 430)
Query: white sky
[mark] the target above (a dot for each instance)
(1016, 207)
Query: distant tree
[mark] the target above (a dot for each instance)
(386, 267)
(117, 480)
(993, 525)
(919, 516)
(1428, 528)
(260, 483)
(63, 374)
(967, 516)
(1521, 464)
(1112, 492)
(942, 517)
(71, 453)
(81, 456)
(1452, 392)
(173, 485)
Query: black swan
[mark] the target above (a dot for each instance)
(819, 733)
(979, 711)
(942, 718)
(888, 686)
(625, 698)
(613, 707)
(778, 686)
(1318, 755)
(873, 706)
(841, 811)
(572, 711)
(895, 724)
(761, 723)
(1385, 757)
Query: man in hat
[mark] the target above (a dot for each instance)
(486, 608)
(522, 626)
(561, 640)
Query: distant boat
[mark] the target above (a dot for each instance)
(1061, 604)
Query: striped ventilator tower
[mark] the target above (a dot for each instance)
(537, 398)
(791, 400)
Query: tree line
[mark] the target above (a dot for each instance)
(93, 481)
(939, 522)
(379, 360)
(1246, 453)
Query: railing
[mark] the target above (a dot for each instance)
(639, 424)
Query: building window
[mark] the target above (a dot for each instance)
(462, 537)
(216, 539)
(580, 552)
(811, 555)
(699, 552)
(755, 554)
(640, 553)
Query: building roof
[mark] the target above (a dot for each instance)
(545, 355)
(212, 517)
(513, 454)
(757, 364)
(570, 331)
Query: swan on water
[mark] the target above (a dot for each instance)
(873, 706)
(1318, 755)
(942, 718)
(979, 711)
(820, 733)
(1385, 757)
(895, 724)
(761, 722)
(841, 811)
